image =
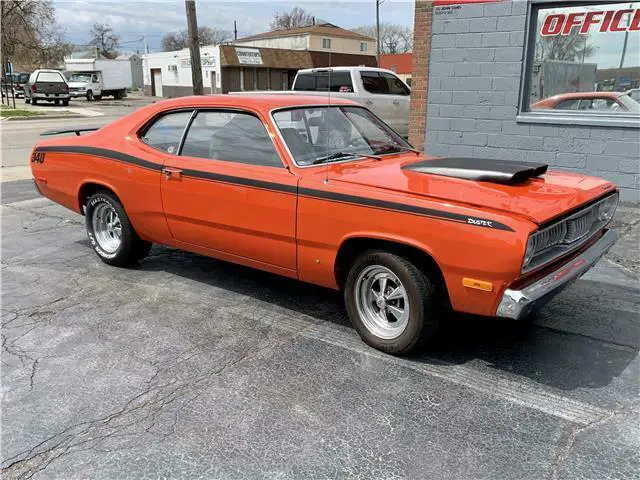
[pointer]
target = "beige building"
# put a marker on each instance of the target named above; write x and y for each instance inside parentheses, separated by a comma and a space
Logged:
(324, 37)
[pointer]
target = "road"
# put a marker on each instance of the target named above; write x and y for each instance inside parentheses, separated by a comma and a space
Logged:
(189, 367)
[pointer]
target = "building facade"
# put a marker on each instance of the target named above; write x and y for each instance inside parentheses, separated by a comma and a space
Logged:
(399, 63)
(486, 72)
(323, 37)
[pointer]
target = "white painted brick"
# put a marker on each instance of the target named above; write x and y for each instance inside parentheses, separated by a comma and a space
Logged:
(504, 113)
(573, 160)
(455, 26)
(478, 98)
(509, 54)
(438, 150)
(519, 7)
(497, 9)
(440, 96)
(464, 124)
(512, 128)
(557, 144)
(489, 126)
(452, 111)
(516, 39)
(583, 145)
(541, 157)
(574, 132)
(495, 39)
(450, 137)
(523, 142)
(476, 139)
(544, 130)
(630, 165)
(470, 11)
(603, 162)
(624, 149)
(460, 151)
(629, 195)
(483, 24)
(511, 98)
(607, 133)
(438, 124)
(477, 111)
(442, 41)
(501, 69)
(468, 69)
(507, 84)
(499, 153)
(468, 84)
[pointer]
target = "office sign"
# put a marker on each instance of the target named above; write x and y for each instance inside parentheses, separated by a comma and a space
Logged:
(249, 56)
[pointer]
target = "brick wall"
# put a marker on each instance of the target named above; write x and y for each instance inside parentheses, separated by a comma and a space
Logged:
(476, 62)
(420, 74)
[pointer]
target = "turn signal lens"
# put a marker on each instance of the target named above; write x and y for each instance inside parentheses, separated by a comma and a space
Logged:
(607, 208)
(531, 248)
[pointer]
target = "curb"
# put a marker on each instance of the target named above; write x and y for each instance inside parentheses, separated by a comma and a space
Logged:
(42, 117)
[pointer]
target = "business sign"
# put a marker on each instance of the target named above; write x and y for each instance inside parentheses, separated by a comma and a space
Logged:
(606, 21)
(205, 61)
(249, 56)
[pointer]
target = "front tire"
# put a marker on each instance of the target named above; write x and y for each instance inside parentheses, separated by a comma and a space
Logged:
(391, 303)
(89, 96)
(111, 234)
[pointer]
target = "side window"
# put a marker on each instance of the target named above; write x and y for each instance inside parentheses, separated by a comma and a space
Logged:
(326, 43)
(166, 132)
(230, 137)
(568, 105)
(395, 85)
(32, 77)
(374, 83)
(597, 104)
(305, 81)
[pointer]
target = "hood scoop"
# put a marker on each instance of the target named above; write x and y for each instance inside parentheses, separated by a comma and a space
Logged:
(506, 172)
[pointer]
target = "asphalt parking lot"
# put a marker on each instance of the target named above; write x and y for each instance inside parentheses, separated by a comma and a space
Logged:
(189, 367)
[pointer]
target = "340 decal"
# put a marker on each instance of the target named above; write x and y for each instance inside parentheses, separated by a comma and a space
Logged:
(37, 157)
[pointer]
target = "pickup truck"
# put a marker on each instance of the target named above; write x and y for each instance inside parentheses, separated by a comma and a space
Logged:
(342, 202)
(378, 89)
(46, 85)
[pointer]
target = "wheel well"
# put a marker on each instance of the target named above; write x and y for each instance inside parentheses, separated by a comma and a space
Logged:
(353, 247)
(88, 189)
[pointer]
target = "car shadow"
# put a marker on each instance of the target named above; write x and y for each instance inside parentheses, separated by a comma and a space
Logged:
(551, 357)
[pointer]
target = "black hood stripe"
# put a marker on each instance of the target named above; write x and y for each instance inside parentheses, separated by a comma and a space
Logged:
(279, 187)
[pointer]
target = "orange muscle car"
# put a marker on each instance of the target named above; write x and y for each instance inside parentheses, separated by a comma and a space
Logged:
(330, 195)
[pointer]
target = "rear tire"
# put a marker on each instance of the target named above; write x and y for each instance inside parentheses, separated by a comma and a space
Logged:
(65, 103)
(111, 234)
(391, 303)
(34, 101)
(57, 102)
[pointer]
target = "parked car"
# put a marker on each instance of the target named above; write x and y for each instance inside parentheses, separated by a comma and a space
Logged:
(14, 84)
(589, 101)
(96, 78)
(46, 85)
(329, 194)
(376, 88)
(634, 93)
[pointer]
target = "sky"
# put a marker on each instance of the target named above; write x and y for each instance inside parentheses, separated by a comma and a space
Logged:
(132, 19)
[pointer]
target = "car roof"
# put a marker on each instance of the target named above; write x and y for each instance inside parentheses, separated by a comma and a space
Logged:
(344, 69)
(263, 102)
(574, 95)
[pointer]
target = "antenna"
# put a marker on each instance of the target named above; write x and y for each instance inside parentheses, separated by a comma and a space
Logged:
(326, 122)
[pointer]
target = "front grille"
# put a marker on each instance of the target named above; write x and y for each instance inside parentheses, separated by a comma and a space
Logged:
(565, 235)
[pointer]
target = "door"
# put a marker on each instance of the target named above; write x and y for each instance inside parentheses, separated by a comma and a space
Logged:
(375, 96)
(399, 94)
(228, 190)
(157, 82)
(213, 82)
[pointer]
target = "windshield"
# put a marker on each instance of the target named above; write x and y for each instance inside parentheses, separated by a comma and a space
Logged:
(323, 134)
(80, 77)
(629, 102)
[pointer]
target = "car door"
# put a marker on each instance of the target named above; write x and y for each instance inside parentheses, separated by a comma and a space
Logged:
(399, 94)
(375, 96)
(227, 190)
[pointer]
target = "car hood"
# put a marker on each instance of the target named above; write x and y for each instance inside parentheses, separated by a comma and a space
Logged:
(77, 84)
(538, 199)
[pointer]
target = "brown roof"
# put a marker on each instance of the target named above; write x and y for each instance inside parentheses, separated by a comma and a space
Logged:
(327, 29)
(398, 62)
(322, 59)
(271, 58)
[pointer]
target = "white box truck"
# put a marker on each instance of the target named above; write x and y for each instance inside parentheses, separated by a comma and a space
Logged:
(97, 78)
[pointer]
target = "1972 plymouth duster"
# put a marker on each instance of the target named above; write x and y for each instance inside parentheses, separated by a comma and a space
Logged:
(330, 195)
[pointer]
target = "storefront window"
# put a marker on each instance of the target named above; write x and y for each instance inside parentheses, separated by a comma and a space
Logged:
(584, 58)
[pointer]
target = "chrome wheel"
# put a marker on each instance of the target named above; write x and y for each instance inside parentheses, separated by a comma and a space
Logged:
(382, 302)
(107, 227)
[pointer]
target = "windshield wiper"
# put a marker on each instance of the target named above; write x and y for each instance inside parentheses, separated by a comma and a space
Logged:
(390, 147)
(341, 155)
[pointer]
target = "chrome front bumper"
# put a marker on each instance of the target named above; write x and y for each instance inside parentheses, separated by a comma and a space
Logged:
(516, 304)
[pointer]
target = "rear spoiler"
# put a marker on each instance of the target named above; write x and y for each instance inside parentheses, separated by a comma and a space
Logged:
(77, 131)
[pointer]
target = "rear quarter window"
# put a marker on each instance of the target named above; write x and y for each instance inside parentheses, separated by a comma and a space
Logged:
(324, 81)
(51, 77)
(165, 133)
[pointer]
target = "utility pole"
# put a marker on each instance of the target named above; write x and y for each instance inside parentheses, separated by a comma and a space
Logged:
(145, 63)
(194, 47)
(378, 31)
(235, 30)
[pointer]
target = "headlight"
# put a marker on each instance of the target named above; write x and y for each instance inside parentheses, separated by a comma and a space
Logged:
(607, 208)
(531, 248)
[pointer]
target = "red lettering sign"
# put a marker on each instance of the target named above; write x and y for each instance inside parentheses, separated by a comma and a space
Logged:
(622, 20)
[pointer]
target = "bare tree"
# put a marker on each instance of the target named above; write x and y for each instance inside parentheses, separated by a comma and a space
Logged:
(207, 36)
(569, 48)
(393, 38)
(30, 35)
(297, 17)
(104, 39)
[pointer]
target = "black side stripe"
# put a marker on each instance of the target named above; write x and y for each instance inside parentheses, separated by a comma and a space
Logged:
(279, 187)
(102, 152)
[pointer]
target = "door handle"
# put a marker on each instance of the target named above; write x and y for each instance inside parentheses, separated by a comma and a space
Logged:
(169, 172)
(369, 102)
(396, 102)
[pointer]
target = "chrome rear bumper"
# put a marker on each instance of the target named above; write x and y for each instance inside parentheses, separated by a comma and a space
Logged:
(516, 304)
